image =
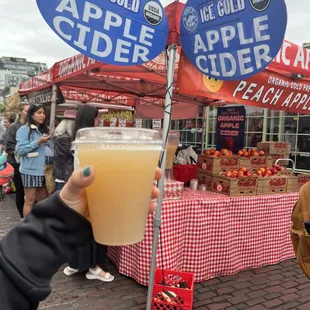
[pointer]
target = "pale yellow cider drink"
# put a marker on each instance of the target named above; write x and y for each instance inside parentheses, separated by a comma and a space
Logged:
(171, 150)
(120, 195)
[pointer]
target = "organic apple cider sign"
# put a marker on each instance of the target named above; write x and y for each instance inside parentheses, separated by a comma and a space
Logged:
(119, 32)
(232, 39)
(230, 128)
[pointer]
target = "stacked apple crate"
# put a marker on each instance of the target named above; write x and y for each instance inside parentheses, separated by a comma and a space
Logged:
(250, 172)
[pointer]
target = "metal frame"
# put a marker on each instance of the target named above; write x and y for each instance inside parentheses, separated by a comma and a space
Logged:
(172, 49)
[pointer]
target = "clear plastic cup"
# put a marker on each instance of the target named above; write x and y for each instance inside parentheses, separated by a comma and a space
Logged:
(125, 161)
(172, 146)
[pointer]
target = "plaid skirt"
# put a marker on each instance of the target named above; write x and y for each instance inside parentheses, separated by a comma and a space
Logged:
(33, 181)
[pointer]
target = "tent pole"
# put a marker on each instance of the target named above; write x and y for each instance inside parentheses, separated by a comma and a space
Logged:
(204, 128)
(53, 106)
(166, 126)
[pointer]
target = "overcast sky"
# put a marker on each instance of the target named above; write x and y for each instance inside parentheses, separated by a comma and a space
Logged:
(24, 33)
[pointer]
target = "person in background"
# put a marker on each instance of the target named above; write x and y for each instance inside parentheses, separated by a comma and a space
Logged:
(3, 158)
(290, 136)
(34, 250)
(93, 256)
(63, 166)
(2, 128)
(10, 144)
(31, 140)
(257, 136)
(7, 122)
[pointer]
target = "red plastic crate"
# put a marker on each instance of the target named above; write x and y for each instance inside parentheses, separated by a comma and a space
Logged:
(184, 173)
(166, 297)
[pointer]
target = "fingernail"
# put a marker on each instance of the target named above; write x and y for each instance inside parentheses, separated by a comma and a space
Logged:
(86, 172)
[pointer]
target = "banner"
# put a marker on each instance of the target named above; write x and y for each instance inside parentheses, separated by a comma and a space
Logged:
(118, 118)
(230, 128)
(39, 81)
(93, 95)
(264, 90)
(117, 32)
(232, 40)
(292, 59)
(44, 96)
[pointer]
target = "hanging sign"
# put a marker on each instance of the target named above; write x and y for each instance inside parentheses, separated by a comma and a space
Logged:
(230, 128)
(113, 122)
(44, 96)
(139, 123)
(119, 32)
(122, 122)
(156, 123)
(232, 39)
(118, 118)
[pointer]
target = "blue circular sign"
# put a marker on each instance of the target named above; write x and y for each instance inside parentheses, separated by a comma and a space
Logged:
(232, 39)
(118, 32)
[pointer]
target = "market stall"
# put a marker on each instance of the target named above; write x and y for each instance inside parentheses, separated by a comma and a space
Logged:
(207, 233)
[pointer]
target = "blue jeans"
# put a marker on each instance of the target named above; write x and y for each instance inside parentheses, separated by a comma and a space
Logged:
(59, 186)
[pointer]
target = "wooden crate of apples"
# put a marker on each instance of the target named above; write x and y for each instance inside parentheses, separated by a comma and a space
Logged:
(295, 181)
(252, 159)
(245, 182)
(237, 182)
(214, 161)
(275, 151)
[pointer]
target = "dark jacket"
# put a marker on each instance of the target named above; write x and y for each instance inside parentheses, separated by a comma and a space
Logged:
(63, 167)
(10, 142)
(33, 251)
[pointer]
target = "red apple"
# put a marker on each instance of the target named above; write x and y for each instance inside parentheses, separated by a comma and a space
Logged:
(243, 169)
(249, 173)
(259, 173)
(228, 174)
(274, 171)
(240, 174)
(261, 153)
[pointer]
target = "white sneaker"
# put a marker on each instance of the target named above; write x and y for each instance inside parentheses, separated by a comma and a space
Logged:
(94, 274)
(68, 271)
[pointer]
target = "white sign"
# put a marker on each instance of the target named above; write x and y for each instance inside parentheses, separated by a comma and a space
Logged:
(113, 122)
(139, 123)
(122, 122)
(156, 123)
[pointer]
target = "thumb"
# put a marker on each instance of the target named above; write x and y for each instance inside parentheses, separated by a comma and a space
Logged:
(79, 180)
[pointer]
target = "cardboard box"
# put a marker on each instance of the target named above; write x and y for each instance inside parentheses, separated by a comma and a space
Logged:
(272, 185)
(204, 178)
(245, 186)
(254, 162)
(216, 165)
(275, 148)
(302, 179)
(274, 158)
(292, 184)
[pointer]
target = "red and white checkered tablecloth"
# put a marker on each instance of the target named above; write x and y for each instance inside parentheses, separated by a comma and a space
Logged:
(213, 235)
